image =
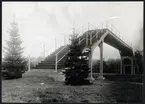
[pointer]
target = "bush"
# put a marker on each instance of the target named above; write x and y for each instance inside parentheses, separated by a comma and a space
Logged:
(15, 70)
(76, 65)
(14, 64)
(11, 75)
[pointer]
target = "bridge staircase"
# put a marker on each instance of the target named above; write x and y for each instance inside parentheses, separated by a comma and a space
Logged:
(57, 59)
(50, 60)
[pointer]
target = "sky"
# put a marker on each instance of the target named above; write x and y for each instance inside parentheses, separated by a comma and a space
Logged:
(41, 23)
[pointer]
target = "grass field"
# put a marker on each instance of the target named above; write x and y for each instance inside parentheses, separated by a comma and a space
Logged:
(41, 86)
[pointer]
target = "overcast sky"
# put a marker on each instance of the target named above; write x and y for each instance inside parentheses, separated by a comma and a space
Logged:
(40, 23)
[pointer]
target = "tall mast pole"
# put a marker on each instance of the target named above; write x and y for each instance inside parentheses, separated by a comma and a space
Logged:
(55, 42)
(44, 50)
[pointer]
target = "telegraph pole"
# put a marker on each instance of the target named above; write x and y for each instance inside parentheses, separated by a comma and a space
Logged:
(64, 40)
(82, 30)
(44, 50)
(55, 42)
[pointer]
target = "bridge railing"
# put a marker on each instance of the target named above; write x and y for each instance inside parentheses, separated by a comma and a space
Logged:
(117, 33)
(113, 29)
(58, 59)
(89, 38)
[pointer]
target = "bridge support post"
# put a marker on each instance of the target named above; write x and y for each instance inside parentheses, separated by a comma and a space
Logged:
(56, 63)
(90, 64)
(90, 39)
(90, 59)
(101, 62)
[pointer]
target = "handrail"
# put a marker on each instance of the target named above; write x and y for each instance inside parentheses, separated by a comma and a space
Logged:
(90, 33)
(97, 27)
(120, 39)
(95, 34)
(113, 30)
(117, 34)
(56, 57)
(62, 57)
(82, 40)
(85, 38)
(116, 30)
(61, 50)
(102, 37)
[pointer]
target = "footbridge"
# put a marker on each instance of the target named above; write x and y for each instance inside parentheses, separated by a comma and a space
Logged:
(96, 37)
(89, 40)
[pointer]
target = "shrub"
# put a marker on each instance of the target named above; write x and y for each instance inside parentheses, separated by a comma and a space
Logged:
(76, 66)
(13, 63)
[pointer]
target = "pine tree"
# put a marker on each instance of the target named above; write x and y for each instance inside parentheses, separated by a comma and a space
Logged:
(13, 61)
(76, 65)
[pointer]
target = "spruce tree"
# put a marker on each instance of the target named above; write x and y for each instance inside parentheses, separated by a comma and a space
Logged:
(76, 65)
(13, 61)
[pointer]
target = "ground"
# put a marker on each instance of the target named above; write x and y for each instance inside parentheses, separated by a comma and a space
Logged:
(41, 86)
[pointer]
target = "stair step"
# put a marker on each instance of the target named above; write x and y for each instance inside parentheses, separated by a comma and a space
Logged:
(49, 61)
(62, 61)
(52, 62)
(50, 66)
(53, 59)
(41, 67)
(47, 68)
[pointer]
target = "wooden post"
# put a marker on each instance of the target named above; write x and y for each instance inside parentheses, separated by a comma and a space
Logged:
(101, 62)
(44, 51)
(91, 39)
(91, 62)
(102, 28)
(64, 40)
(79, 41)
(101, 59)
